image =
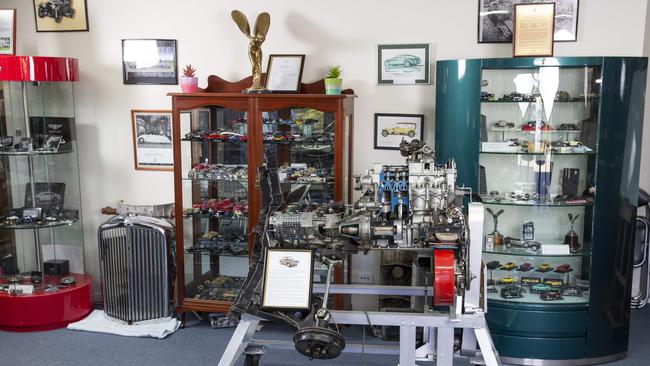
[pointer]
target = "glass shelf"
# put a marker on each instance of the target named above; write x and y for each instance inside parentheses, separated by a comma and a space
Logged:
(215, 141)
(208, 252)
(592, 152)
(243, 182)
(216, 216)
(574, 100)
(44, 225)
(502, 249)
(32, 153)
(508, 202)
(534, 298)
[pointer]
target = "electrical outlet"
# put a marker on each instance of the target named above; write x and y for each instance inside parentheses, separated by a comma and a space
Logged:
(363, 277)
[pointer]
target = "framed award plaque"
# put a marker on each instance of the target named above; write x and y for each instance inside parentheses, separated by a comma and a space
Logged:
(288, 279)
(533, 30)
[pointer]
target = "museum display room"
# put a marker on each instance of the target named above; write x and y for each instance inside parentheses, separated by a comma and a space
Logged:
(288, 182)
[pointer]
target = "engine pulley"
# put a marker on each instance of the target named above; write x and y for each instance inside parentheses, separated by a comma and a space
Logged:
(443, 277)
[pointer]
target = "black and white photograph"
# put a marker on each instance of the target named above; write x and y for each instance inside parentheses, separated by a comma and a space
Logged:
(7, 31)
(61, 15)
(495, 23)
(152, 139)
(149, 61)
(392, 128)
(403, 64)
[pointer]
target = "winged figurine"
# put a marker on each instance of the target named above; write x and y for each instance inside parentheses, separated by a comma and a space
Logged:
(262, 24)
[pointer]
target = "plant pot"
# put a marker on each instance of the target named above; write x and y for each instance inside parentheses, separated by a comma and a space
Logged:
(189, 84)
(333, 86)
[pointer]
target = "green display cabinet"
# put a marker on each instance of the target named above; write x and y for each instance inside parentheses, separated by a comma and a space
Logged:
(552, 147)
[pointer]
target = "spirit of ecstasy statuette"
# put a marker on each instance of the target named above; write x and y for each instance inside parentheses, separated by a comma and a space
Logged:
(571, 237)
(498, 238)
(262, 24)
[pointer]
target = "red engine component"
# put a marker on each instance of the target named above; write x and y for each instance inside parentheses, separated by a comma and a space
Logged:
(443, 277)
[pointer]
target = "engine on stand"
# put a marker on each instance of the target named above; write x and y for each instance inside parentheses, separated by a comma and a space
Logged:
(414, 207)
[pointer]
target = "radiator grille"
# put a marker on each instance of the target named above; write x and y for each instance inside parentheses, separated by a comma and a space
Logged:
(135, 271)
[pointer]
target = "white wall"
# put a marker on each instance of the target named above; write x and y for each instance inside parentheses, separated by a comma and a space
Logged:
(328, 32)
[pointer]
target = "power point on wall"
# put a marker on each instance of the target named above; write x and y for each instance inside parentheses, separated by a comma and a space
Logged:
(363, 277)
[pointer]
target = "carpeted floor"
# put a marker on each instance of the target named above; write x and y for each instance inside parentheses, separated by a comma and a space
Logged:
(200, 345)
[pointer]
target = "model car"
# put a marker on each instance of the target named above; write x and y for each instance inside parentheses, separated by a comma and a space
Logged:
(56, 9)
(571, 290)
(512, 292)
(529, 281)
(545, 267)
(553, 282)
(154, 139)
(539, 288)
(288, 262)
(233, 136)
(525, 267)
(536, 126)
(492, 290)
(503, 124)
(509, 266)
(401, 61)
(507, 280)
(562, 96)
(513, 97)
(564, 268)
(526, 244)
(485, 96)
(196, 135)
(493, 265)
(567, 127)
(551, 295)
(402, 128)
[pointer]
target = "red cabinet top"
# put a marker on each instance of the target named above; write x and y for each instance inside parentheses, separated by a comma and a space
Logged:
(37, 68)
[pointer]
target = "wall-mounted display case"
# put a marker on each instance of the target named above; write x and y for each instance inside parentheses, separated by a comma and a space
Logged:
(550, 144)
(43, 284)
(221, 137)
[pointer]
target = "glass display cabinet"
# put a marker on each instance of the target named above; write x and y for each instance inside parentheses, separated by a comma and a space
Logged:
(551, 147)
(43, 284)
(221, 137)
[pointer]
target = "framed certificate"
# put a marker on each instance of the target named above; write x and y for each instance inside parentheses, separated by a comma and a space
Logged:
(288, 279)
(533, 30)
(284, 73)
(152, 139)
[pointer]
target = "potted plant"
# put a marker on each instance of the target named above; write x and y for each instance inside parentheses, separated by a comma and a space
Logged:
(189, 82)
(333, 81)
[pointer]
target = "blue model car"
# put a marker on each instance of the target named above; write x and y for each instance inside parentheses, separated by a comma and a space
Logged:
(539, 288)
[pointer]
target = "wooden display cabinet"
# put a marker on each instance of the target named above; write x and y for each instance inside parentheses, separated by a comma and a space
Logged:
(310, 136)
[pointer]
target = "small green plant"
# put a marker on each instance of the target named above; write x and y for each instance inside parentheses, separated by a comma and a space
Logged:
(334, 72)
(189, 71)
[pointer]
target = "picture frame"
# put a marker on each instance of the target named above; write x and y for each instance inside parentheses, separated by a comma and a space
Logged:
(284, 73)
(392, 128)
(49, 196)
(534, 27)
(7, 31)
(495, 17)
(70, 16)
(152, 139)
(149, 62)
(288, 279)
(403, 64)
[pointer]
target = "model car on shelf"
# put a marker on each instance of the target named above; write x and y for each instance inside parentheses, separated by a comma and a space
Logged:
(525, 267)
(544, 267)
(493, 265)
(563, 268)
(508, 266)
(539, 288)
(218, 207)
(553, 282)
(534, 126)
(571, 290)
(221, 288)
(526, 244)
(507, 280)
(529, 281)
(221, 135)
(512, 292)
(219, 172)
(514, 97)
(492, 290)
(551, 295)
(485, 96)
(562, 96)
(503, 125)
(568, 127)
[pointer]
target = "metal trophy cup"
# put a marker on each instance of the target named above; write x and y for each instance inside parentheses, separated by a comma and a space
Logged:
(498, 238)
(262, 24)
(571, 237)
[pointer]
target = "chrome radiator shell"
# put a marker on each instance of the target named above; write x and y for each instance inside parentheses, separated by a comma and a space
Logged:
(136, 267)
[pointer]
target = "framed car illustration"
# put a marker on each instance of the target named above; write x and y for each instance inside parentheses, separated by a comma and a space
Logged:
(392, 128)
(152, 139)
(403, 64)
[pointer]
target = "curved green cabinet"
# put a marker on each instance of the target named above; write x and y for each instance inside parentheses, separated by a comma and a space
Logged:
(577, 115)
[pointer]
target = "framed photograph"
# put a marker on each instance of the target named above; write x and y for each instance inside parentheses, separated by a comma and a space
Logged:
(404, 64)
(61, 15)
(149, 61)
(152, 140)
(533, 32)
(495, 20)
(288, 279)
(284, 73)
(7, 31)
(392, 128)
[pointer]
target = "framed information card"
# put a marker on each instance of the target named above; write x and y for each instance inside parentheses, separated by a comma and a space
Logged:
(288, 278)
(533, 30)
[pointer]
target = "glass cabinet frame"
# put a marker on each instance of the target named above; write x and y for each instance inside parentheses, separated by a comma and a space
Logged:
(256, 108)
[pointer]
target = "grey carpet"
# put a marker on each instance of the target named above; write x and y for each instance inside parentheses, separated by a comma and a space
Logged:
(200, 345)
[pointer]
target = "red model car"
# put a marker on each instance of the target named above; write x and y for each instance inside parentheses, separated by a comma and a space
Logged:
(563, 268)
(535, 126)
